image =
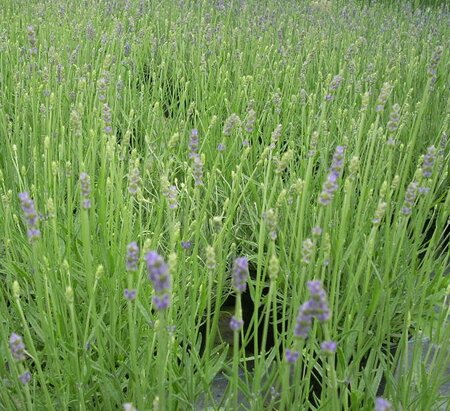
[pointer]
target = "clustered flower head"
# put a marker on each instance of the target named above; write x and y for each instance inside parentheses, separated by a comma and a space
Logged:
(382, 98)
(132, 256)
(170, 192)
(85, 183)
(198, 171)
(394, 118)
(316, 307)
(276, 134)
(250, 120)
(428, 161)
(17, 347)
(240, 274)
(432, 68)
(382, 404)
(129, 295)
(330, 185)
(134, 181)
(271, 218)
(231, 123)
(236, 323)
(328, 347)
(31, 215)
(107, 119)
(334, 85)
(410, 198)
(193, 143)
(158, 274)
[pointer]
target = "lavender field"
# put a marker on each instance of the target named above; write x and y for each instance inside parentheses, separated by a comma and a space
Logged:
(224, 205)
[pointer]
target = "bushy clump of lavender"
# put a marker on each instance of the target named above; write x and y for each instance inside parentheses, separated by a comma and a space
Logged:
(158, 274)
(31, 216)
(330, 185)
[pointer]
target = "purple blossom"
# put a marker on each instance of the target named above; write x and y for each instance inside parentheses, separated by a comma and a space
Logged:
(303, 323)
(328, 189)
(132, 259)
(198, 171)
(25, 378)
(129, 295)
(240, 274)
(410, 198)
(17, 347)
(107, 119)
(186, 245)
(220, 147)
(85, 184)
(334, 85)
(428, 161)
(128, 406)
(193, 143)
(291, 356)
(31, 215)
(161, 302)
(328, 347)
(316, 307)
(338, 160)
(158, 274)
(236, 324)
(382, 405)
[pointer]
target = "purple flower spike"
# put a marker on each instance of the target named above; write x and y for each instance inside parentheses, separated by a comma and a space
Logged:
(303, 323)
(236, 324)
(328, 347)
(428, 162)
(129, 295)
(25, 378)
(158, 274)
(17, 347)
(85, 183)
(161, 302)
(132, 256)
(240, 274)
(31, 215)
(186, 245)
(193, 143)
(291, 356)
(383, 405)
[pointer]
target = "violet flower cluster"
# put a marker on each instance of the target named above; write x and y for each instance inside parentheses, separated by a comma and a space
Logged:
(410, 198)
(316, 307)
(334, 85)
(158, 274)
(196, 159)
(132, 259)
(240, 274)
(428, 161)
(330, 185)
(17, 348)
(31, 216)
(85, 183)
